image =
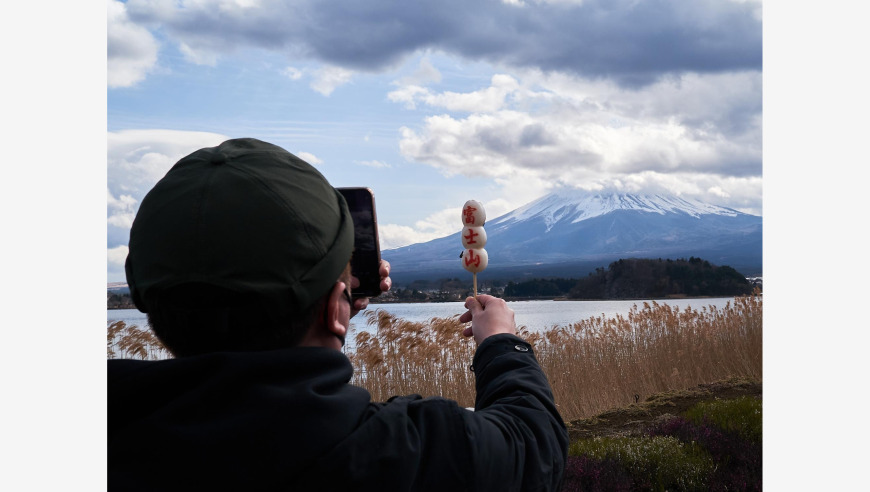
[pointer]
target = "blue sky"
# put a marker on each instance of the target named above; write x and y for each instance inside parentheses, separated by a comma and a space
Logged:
(57, 109)
(434, 103)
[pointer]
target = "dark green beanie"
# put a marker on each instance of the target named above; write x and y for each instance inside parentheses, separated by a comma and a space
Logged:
(246, 216)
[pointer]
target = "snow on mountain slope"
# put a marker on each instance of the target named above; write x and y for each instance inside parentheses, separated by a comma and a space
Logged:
(578, 205)
(574, 227)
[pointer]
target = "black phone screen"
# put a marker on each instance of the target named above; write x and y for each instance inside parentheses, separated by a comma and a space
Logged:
(366, 258)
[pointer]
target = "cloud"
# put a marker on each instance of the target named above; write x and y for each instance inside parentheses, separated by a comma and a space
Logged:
(121, 210)
(136, 160)
(292, 73)
(425, 73)
(117, 256)
(115, 259)
(375, 164)
(489, 99)
(694, 134)
(323, 80)
(434, 226)
(198, 57)
(437, 225)
(327, 79)
(132, 50)
(309, 158)
(634, 43)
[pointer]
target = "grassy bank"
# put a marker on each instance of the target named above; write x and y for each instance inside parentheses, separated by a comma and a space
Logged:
(703, 439)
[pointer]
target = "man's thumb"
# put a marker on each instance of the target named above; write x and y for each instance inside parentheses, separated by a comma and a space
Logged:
(472, 305)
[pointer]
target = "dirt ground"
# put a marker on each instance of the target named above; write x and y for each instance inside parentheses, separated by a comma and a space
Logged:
(637, 416)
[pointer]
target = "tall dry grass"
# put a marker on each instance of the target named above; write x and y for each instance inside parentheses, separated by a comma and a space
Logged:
(403, 357)
(592, 365)
(131, 342)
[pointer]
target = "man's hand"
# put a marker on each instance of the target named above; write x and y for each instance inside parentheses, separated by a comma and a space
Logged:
(363, 302)
(489, 316)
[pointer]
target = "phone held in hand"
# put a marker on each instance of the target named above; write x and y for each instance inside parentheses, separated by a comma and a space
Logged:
(366, 259)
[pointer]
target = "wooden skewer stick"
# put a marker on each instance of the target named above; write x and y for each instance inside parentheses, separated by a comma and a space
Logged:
(475, 285)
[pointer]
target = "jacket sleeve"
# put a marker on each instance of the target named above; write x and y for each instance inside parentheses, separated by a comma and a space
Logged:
(518, 439)
(515, 439)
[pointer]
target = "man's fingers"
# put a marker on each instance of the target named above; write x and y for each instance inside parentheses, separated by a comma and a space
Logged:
(361, 303)
(466, 317)
(472, 305)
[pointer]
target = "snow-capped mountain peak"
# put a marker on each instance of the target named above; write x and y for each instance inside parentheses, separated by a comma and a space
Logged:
(579, 205)
(569, 232)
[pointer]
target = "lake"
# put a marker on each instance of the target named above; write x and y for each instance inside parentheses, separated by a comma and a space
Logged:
(536, 315)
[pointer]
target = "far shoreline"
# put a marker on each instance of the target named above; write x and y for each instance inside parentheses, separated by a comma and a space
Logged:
(374, 301)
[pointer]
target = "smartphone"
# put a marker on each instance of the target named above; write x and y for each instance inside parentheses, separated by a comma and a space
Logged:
(366, 260)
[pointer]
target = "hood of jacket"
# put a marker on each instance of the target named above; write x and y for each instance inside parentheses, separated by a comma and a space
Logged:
(210, 417)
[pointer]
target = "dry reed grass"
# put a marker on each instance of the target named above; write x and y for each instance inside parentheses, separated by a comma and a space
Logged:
(404, 357)
(132, 342)
(593, 365)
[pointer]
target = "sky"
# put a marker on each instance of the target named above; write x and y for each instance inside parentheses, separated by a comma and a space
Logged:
(69, 113)
(431, 104)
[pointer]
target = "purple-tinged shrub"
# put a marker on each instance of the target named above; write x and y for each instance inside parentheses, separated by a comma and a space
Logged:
(583, 473)
(738, 460)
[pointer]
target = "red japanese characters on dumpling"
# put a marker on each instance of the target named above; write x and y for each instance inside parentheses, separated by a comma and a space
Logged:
(473, 214)
(474, 260)
(473, 237)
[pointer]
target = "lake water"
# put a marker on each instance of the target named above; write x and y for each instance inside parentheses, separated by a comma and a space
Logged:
(536, 315)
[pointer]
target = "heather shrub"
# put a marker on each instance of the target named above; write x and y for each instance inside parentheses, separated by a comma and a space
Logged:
(736, 450)
(586, 474)
(739, 415)
(654, 463)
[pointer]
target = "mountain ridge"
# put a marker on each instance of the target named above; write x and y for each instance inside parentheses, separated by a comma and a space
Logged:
(583, 230)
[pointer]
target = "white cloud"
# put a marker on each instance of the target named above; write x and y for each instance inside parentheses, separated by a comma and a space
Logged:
(132, 50)
(198, 56)
(309, 158)
(408, 95)
(439, 224)
(696, 135)
(118, 255)
(136, 160)
(323, 80)
(424, 73)
(121, 210)
(292, 73)
(115, 259)
(486, 100)
(327, 79)
(375, 164)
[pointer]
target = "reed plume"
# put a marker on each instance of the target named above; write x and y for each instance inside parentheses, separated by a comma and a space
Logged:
(592, 365)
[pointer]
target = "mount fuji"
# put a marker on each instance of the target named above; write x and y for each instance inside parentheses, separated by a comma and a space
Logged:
(569, 233)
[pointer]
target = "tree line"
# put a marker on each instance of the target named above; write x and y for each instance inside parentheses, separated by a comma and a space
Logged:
(641, 279)
(119, 301)
(622, 279)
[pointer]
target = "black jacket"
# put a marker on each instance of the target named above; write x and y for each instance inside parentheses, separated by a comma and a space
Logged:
(289, 420)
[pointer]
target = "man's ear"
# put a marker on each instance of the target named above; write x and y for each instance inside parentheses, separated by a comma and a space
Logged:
(334, 308)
